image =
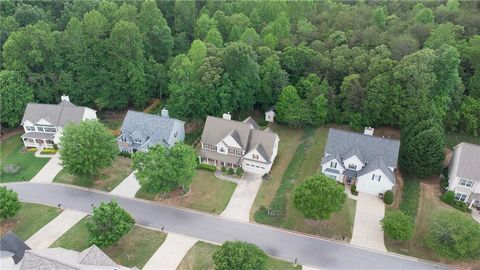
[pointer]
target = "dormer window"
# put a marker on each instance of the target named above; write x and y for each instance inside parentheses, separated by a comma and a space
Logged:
(333, 164)
(137, 141)
(222, 149)
(352, 166)
(40, 129)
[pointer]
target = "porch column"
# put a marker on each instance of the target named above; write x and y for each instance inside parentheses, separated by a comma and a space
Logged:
(471, 204)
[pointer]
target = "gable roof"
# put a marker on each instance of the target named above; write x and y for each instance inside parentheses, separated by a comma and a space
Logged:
(10, 242)
(56, 114)
(251, 121)
(218, 128)
(468, 161)
(59, 258)
(150, 128)
(342, 142)
(378, 163)
(263, 141)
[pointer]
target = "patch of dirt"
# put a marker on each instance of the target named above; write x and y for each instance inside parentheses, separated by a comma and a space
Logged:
(398, 189)
(448, 156)
(10, 133)
(6, 226)
(387, 132)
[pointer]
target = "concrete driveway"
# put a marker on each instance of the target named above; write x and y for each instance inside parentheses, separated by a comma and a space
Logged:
(171, 252)
(49, 171)
(242, 198)
(367, 231)
(127, 187)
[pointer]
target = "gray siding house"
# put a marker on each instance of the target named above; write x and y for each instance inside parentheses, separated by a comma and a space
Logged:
(140, 131)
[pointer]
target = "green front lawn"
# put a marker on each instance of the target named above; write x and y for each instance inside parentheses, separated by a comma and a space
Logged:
(12, 152)
(134, 249)
(107, 180)
(199, 257)
(207, 193)
(28, 220)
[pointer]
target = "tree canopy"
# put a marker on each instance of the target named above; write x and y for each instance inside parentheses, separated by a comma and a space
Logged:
(9, 203)
(239, 255)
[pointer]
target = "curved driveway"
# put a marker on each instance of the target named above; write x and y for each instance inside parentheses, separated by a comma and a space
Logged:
(311, 251)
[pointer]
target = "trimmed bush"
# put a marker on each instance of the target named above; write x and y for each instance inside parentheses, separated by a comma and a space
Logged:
(410, 197)
(448, 197)
(397, 226)
(461, 206)
(239, 255)
(353, 190)
(32, 149)
(239, 171)
(206, 167)
(230, 171)
(48, 151)
(388, 197)
(224, 170)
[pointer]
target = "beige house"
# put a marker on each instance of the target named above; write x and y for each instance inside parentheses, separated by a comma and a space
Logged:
(464, 173)
(233, 144)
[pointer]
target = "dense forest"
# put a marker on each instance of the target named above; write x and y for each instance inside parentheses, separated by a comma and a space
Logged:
(357, 63)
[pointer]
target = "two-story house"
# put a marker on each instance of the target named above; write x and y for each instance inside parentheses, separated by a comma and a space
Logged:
(464, 173)
(140, 131)
(231, 143)
(367, 161)
(44, 123)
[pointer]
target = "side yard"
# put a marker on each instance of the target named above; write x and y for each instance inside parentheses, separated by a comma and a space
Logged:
(28, 220)
(107, 180)
(428, 205)
(207, 193)
(304, 162)
(134, 249)
(13, 153)
(199, 257)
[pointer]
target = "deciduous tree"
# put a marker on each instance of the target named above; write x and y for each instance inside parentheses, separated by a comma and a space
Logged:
(239, 255)
(397, 226)
(15, 93)
(9, 204)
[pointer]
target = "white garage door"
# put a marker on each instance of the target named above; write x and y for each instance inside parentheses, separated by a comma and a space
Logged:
(254, 168)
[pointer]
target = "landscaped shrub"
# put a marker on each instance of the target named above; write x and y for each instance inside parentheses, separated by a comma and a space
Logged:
(410, 197)
(448, 197)
(461, 206)
(397, 226)
(230, 171)
(444, 182)
(224, 170)
(48, 151)
(125, 154)
(353, 190)
(239, 255)
(239, 171)
(9, 204)
(11, 168)
(32, 149)
(388, 197)
(265, 176)
(263, 123)
(206, 167)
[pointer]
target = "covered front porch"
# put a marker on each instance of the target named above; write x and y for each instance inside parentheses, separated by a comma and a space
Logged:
(38, 139)
(349, 177)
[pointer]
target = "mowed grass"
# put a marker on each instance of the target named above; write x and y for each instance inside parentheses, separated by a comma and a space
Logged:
(207, 193)
(429, 205)
(107, 180)
(134, 249)
(12, 152)
(290, 138)
(28, 220)
(454, 138)
(199, 257)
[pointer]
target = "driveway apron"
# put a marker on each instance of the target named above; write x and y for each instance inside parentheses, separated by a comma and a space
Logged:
(49, 171)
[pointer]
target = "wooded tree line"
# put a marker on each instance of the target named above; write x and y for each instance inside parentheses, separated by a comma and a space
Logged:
(365, 63)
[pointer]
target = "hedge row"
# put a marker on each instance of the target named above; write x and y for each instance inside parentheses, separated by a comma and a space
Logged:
(206, 167)
(410, 197)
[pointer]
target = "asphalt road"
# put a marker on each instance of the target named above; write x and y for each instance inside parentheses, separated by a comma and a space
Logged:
(311, 251)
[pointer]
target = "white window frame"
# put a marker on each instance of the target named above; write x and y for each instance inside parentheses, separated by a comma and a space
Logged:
(40, 129)
(352, 166)
(30, 128)
(52, 129)
(466, 183)
(459, 196)
(333, 164)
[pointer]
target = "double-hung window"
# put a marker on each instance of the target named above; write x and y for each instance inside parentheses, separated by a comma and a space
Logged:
(30, 128)
(466, 183)
(40, 129)
(460, 197)
(376, 177)
(352, 166)
(333, 164)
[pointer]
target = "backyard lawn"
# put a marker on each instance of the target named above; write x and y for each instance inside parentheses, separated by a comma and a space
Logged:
(107, 180)
(454, 138)
(134, 249)
(12, 152)
(112, 124)
(199, 257)
(28, 220)
(207, 193)
(429, 205)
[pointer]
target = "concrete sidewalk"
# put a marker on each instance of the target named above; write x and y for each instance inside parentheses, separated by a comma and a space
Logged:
(49, 171)
(171, 252)
(127, 187)
(367, 231)
(47, 235)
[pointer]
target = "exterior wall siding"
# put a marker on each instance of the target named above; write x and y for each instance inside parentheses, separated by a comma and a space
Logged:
(365, 183)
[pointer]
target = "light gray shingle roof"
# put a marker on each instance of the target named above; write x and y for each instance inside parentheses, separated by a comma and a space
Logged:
(217, 128)
(38, 135)
(57, 114)
(151, 129)
(468, 161)
(251, 121)
(263, 141)
(378, 163)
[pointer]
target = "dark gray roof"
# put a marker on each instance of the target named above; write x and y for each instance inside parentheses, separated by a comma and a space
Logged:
(251, 121)
(10, 242)
(468, 161)
(351, 173)
(38, 135)
(342, 142)
(59, 258)
(378, 163)
(331, 157)
(354, 152)
(57, 114)
(151, 129)
(330, 170)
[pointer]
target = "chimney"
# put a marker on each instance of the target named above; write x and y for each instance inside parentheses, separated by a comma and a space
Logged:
(165, 112)
(368, 131)
(65, 98)
(227, 116)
